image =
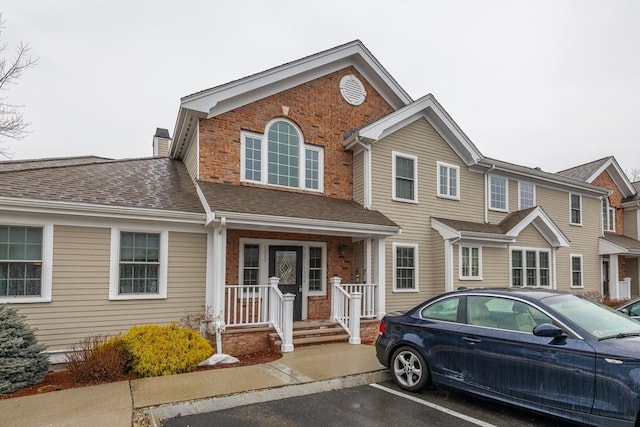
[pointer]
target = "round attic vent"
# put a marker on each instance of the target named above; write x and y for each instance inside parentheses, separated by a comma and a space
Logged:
(352, 90)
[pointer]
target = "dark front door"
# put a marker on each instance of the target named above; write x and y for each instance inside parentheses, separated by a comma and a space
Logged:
(605, 278)
(285, 262)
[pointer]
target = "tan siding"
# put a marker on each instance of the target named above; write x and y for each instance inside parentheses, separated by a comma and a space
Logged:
(191, 161)
(80, 304)
(358, 177)
(631, 223)
(495, 269)
(531, 238)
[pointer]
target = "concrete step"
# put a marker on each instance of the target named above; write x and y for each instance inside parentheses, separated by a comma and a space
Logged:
(323, 339)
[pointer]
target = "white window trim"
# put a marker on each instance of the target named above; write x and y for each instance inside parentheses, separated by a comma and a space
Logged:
(438, 181)
(524, 251)
(46, 278)
(263, 266)
(114, 276)
(506, 194)
(610, 219)
(264, 157)
(571, 208)
(395, 154)
(479, 276)
(520, 194)
(416, 268)
(571, 257)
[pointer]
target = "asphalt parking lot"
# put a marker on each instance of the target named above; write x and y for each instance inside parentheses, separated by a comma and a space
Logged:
(380, 404)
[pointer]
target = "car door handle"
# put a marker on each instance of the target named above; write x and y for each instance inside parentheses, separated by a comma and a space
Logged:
(472, 339)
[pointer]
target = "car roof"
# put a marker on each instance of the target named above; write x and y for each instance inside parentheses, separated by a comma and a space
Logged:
(531, 294)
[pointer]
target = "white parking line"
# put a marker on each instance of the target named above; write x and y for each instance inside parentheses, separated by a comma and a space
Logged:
(434, 406)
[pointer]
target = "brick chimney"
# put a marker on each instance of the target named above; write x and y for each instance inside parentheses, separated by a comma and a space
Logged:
(161, 142)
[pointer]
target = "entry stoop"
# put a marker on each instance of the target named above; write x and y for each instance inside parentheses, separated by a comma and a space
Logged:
(310, 333)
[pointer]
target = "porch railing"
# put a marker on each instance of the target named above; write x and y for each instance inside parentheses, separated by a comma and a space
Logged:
(350, 303)
(261, 305)
(623, 289)
(368, 291)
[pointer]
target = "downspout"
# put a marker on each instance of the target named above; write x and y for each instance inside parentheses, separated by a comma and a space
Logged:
(366, 173)
(486, 194)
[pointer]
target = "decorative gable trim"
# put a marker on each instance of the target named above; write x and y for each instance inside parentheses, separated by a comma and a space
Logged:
(544, 224)
(617, 175)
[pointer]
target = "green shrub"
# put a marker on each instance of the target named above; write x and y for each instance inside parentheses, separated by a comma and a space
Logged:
(165, 350)
(97, 360)
(22, 360)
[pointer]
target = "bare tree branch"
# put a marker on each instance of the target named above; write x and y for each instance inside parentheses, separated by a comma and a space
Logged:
(12, 123)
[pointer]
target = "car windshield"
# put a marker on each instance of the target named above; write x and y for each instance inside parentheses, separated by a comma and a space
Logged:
(598, 320)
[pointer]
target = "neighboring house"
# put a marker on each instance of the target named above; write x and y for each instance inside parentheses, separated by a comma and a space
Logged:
(316, 190)
(620, 215)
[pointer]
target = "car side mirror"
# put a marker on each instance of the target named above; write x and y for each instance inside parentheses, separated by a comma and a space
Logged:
(548, 330)
(625, 311)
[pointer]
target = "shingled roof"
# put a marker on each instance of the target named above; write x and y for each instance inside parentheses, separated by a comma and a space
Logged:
(629, 243)
(149, 183)
(503, 227)
(278, 203)
(585, 171)
(14, 165)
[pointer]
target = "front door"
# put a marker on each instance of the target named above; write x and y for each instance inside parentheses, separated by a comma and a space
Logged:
(285, 262)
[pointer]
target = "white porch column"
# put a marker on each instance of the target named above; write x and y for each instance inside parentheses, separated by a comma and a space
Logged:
(217, 275)
(380, 276)
(367, 260)
(614, 282)
(355, 306)
(448, 266)
(287, 323)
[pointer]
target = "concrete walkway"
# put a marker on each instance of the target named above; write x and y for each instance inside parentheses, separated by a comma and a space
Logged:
(306, 370)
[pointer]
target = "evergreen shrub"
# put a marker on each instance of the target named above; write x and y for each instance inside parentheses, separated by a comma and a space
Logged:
(165, 350)
(22, 360)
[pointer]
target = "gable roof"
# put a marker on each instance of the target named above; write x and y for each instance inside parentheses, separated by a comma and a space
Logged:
(426, 107)
(219, 99)
(506, 231)
(272, 209)
(135, 187)
(588, 172)
(613, 243)
(12, 165)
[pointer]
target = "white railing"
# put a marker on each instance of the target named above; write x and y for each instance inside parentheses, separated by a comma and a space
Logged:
(623, 290)
(261, 305)
(346, 307)
(368, 290)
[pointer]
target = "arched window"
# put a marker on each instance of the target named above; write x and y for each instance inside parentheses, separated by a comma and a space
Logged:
(280, 157)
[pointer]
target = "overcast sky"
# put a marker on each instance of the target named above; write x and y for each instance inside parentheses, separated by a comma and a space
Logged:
(551, 84)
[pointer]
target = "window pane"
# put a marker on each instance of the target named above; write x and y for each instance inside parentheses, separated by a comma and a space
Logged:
(453, 182)
(575, 209)
(312, 169)
(526, 195)
(444, 179)
(283, 146)
(405, 268)
(139, 262)
(498, 193)
(253, 159)
(251, 265)
(404, 178)
(315, 269)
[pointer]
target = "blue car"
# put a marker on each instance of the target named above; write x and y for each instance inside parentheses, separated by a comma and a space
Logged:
(550, 352)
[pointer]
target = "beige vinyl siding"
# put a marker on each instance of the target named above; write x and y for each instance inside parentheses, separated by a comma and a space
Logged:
(80, 305)
(419, 139)
(632, 223)
(495, 268)
(632, 271)
(531, 238)
(358, 177)
(191, 160)
(584, 239)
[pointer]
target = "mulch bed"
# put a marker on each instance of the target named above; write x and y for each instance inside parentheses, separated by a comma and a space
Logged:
(62, 380)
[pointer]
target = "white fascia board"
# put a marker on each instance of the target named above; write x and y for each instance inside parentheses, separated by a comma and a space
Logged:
(618, 176)
(551, 180)
(486, 237)
(544, 224)
(91, 210)
(260, 85)
(445, 231)
(428, 108)
(236, 220)
(606, 247)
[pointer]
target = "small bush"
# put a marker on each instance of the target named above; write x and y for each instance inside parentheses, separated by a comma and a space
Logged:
(22, 360)
(165, 350)
(97, 360)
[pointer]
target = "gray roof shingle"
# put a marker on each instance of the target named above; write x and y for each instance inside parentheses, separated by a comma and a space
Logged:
(272, 202)
(149, 183)
(14, 165)
(624, 241)
(585, 171)
(503, 227)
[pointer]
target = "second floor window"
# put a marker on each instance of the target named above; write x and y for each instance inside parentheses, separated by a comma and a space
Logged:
(498, 193)
(281, 158)
(448, 181)
(526, 195)
(576, 209)
(405, 173)
(608, 216)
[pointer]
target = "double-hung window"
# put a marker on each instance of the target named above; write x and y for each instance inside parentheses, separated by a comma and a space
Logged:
(498, 190)
(608, 216)
(316, 269)
(405, 177)
(251, 265)
(576, 271)
(448, 181)
(21, 264)
(530, 268)
(470, 263)
(405, 267)
(139, 265)
(280, 157)
(575, 201)
(526, 195)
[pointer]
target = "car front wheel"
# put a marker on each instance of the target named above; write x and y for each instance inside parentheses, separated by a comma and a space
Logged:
(409, 369)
